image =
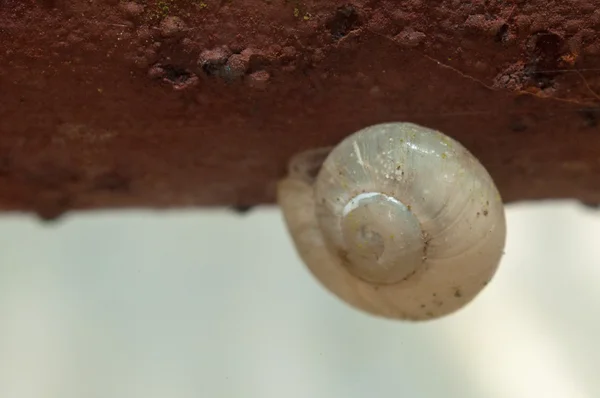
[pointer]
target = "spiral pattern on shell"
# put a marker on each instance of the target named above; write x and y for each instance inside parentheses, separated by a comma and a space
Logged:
(401, 220)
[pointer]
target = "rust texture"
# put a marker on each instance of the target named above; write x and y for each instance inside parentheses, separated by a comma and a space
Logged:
(173, 103)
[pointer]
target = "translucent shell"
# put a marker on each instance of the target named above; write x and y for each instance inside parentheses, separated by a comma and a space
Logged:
(401, 221)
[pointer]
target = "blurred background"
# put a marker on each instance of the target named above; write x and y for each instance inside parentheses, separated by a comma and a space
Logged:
(216, 304)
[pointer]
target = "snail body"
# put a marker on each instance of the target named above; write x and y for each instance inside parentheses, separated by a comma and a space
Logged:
(397, 220)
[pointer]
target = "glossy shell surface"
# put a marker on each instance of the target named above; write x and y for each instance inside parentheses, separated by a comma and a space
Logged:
(398, 220)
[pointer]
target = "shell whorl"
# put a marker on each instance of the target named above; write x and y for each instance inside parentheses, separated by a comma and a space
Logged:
(402, 217)
(382, 240)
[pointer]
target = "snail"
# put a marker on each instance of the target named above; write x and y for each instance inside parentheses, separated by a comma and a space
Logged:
(397, 220)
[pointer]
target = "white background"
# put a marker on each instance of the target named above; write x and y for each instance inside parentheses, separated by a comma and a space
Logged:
(213, 304)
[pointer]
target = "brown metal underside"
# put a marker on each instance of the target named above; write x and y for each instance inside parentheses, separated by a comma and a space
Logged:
(122, 104)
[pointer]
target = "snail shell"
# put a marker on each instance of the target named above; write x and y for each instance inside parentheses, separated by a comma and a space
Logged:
(398, 220)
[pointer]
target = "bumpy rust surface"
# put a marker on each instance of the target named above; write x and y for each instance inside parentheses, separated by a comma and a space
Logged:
(164, 103)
